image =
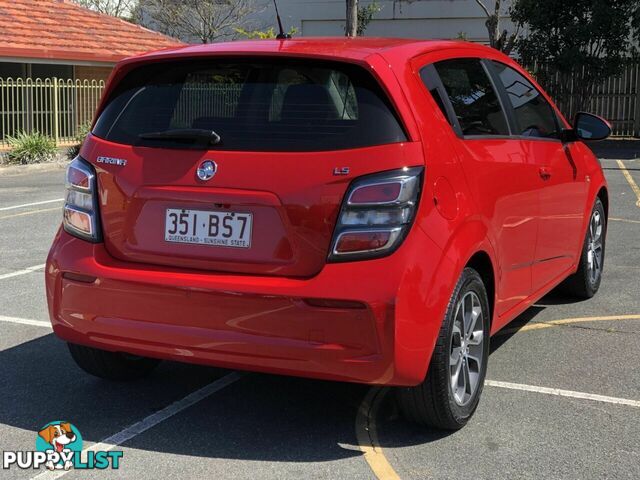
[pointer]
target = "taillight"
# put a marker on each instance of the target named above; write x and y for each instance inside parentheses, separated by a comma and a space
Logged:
(376, 214)
(80, 215)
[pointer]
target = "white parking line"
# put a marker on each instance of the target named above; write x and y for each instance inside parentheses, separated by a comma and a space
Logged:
(14, 207)
(34, 212)
(563, 393)
(22, 272)
(151, 421)
(25, 321)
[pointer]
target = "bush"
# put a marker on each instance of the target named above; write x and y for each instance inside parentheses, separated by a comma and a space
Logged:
(83, 131)
(32, 147)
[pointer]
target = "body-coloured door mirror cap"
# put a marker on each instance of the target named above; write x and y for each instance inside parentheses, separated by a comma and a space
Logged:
(587, 127)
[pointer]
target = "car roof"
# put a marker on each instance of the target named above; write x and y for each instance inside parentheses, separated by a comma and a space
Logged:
(355, 49)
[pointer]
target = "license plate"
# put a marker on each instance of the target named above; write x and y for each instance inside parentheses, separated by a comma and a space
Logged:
(221, 229)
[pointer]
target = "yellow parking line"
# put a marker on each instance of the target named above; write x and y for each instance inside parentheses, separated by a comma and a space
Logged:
(565, 321)
(366, 430)
(367, 435)
(32, 212)
(632, 182)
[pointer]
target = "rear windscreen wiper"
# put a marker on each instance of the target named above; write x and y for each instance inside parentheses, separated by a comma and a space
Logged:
(208, 137)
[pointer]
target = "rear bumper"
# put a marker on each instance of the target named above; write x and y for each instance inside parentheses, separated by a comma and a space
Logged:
(269, 324)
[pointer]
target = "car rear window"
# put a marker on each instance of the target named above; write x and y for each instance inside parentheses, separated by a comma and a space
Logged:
(252, 105)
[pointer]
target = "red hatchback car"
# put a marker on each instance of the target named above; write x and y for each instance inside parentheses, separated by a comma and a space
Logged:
(364, 210)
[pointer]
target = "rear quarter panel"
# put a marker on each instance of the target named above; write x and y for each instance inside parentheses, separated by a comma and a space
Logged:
(448, 218)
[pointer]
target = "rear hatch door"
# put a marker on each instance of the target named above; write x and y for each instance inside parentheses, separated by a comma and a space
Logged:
(238, 165)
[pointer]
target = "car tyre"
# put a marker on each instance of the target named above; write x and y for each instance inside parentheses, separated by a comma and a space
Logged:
(111, 365)
(441, 400)
(586, 281)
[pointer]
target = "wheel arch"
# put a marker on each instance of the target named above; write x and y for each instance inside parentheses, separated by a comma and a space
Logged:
(603, 195)
(473, 247)
(415, 337)
(481, 263)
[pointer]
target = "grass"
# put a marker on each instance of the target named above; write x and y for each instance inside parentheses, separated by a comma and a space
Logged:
(83, 130)
(27, 148)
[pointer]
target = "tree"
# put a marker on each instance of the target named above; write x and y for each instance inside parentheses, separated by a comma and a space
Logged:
(365, 15)
(585, 41)
(498, 39)
(359, 18)
(204, 21)
(115, 8)
(351, 30)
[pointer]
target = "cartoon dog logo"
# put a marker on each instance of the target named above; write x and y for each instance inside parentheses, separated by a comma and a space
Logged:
(59, 436)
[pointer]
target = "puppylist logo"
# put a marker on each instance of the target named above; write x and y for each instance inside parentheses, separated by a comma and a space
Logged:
(59, 447)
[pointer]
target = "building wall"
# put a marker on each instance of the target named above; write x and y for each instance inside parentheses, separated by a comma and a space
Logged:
(51, 70)
(92, 73)
(34, 70)
(398, 18)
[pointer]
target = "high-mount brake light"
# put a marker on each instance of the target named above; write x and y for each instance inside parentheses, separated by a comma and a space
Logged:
(376, 215)
(80, 214)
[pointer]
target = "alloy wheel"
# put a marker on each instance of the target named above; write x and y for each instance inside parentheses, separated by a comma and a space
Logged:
(466, 350)
(594, 247)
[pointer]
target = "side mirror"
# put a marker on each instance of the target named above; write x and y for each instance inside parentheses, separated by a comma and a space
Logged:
(589, 127)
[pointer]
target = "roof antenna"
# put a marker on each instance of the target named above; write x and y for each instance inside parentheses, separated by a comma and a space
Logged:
(282, 35)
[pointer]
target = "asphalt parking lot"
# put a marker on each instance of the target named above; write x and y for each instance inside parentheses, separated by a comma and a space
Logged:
(562, 401)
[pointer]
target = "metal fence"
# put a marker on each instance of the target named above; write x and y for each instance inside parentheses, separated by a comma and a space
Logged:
(60, 107)
(617, 98)
(54, 107)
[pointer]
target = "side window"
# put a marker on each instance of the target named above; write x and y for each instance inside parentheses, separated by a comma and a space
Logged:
(431, 81)
(427, 79)
(473, 97)
(533, 115)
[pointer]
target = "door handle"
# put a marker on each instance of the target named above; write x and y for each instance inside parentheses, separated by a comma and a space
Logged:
(545, 174)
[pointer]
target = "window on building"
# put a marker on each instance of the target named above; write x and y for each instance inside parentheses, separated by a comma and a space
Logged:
(43, 71)
(12, 70)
